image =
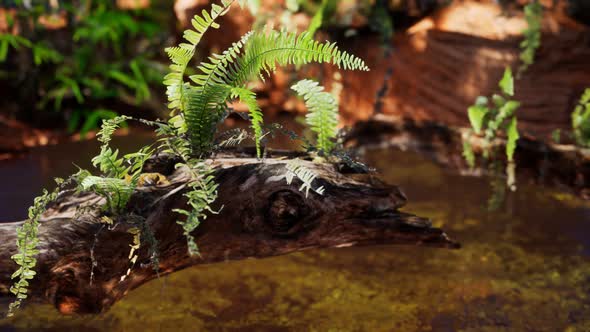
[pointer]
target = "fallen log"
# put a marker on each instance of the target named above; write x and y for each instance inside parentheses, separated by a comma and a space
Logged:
(560, 165)
(82, 259)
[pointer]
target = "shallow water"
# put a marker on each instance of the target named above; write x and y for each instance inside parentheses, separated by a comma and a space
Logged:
(525, 267)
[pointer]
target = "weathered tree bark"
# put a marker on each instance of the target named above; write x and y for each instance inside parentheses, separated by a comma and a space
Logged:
(564, 166)
(442, 63)
(261, 216)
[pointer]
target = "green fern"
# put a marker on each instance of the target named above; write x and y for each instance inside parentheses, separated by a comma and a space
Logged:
(120, 175)
(14, 41)
(265, 50)
(323, 112)
(196, 109)
(249, 98)
(116, 191)
(324, 13)
(533, 13)
(27, 242)
(581, 120)
(305, 175)
(261, 53)
(200, 198)
(490, 119)
(183, 53)
(468, 153)
(107, 160)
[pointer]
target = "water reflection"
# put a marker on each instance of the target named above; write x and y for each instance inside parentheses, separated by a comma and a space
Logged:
(523, 267)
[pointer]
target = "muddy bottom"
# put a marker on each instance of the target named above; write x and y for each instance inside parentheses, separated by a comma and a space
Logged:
(524, 267)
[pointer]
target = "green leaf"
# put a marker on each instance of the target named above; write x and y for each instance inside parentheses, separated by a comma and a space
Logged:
(322, 117)
(248, 97)
(507, 82)
(94, 118)
(481, 101)
(512, 132)
(477, 115)
(508, 109)
(468, 154)
(498, 100)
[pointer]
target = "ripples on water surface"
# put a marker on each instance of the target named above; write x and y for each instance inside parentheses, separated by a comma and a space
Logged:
(525, 267)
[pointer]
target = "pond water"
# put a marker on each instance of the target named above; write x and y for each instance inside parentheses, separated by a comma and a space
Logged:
(524, 267)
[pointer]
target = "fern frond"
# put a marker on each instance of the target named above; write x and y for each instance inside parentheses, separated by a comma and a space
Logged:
(533, 13)
(207, 100)
(249, 98)
(265, 50)
(202, 194)
(323, 112)
(183, 53)
(109, 163)
(202, 112)
(107, 160)
(581, 120)
(232, 138)
(116, 191)
(27, 240)
(219, 70)
(108, 128)
(255, 53)
(304, 174)
(468, 153)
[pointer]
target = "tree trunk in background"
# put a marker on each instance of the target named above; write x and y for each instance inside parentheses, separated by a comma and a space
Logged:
(439, 65)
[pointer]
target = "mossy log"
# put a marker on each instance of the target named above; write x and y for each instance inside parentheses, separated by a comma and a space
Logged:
(560, 165)
(82, 260)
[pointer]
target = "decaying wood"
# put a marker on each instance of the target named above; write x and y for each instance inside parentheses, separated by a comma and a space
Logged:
(564, 166)
(442, 63)
(261, 216)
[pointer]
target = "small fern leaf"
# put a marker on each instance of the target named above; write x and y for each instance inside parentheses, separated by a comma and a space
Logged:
(265, 50)
(183, 53)
(249, 98)
(507, 82)
(202, 194)
(468, 153)
(323, 112)
(232, 138)
(116, 191)
(512, 133)
(107, 160)
(533, 13)
(202, 112)
(305, 175)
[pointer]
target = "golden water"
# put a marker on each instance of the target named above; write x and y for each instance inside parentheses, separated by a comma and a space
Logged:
(525, 267)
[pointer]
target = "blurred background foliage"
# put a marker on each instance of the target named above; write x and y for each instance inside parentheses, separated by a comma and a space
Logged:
(79, 62)
(68, 64)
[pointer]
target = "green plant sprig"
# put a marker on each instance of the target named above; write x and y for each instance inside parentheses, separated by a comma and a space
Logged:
(581, 120)
(491, 118)
(322, 117)
(533, 13)
(27, 243)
